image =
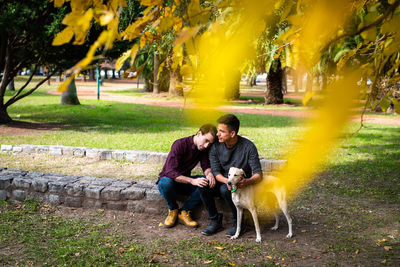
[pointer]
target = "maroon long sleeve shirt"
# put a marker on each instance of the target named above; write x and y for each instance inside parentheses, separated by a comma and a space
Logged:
(182, 159)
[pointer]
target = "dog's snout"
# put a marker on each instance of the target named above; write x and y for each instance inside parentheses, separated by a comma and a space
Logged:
(229, 183)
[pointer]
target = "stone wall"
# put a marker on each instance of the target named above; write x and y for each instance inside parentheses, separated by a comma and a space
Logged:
(85, 191)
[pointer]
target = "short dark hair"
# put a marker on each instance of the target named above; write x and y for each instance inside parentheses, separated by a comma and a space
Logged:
(231, 121)
(209, 128)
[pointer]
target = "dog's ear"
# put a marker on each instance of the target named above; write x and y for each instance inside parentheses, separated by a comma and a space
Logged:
(242, 173)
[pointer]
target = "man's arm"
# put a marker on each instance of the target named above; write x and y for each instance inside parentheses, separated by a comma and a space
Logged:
(199, 182)
(255, 165)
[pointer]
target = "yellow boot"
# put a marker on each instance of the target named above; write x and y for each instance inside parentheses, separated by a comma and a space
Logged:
(171, 219)
(184, 217)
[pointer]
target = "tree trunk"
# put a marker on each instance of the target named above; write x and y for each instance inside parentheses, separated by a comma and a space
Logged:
(309, 84)
(4, 117)
(175, 89)
(273, 94)
(105, 74)
(113, 75)
(232, 89)
(148, 85)
(92, 76)
(70, 97)
(156, 65)
(11, 85)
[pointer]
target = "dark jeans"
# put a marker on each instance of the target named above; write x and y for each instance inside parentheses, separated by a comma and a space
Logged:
(207, 195)
(169, 189)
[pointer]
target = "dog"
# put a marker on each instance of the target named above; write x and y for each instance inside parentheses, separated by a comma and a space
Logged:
(243, 198)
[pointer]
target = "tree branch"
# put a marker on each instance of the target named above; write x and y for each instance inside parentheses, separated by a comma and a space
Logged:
(389, 11)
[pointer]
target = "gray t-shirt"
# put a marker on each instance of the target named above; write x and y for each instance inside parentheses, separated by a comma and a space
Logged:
(242, 155)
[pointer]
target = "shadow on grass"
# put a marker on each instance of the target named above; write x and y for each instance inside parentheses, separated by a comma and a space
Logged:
(371, 167)
(109, 117)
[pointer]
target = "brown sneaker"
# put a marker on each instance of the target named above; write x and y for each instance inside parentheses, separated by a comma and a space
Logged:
(171, 219)
(184, 217)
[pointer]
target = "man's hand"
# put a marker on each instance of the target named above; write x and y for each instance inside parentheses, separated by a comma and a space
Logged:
(241, 184)
(200, 182)
(211, 180)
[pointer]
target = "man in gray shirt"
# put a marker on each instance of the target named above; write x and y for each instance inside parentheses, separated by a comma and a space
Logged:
(232, 150)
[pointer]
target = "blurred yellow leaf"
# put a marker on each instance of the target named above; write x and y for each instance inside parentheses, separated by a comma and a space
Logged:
(294, 241)
(356, 252)
(384, 104)
(186, 70)
(269, 257)
(219, 248)
(122, 59)
(151, 2)
(383, 262)
(131, 249)
(64, 86)
(370, 34)
(396, 104)
(387, 248)
(185, 34)
(208, 262)
(106, 18)
(58, 3)
(231, 264)
(307, 98)
(160, 225)
(63, 37)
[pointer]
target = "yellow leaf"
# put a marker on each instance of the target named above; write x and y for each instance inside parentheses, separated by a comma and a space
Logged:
(208, 262)
(219, 248)
(186, 70)
(64, 86)
(294, 241)
(370, 34)
(383, 262)
(396, 104)
(63, 37)
(160, 68)
(356, 252)
(384, 104)
(122, 59)
(387, 248)
(131, 249)
(58, 3)
(151, 2)
(382, 240)
(106, 18)
(160, 225)
(269, 257)
(231, 264)
(307, 98)
(185, 34)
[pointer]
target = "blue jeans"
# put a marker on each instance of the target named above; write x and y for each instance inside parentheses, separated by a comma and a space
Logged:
(169, 189)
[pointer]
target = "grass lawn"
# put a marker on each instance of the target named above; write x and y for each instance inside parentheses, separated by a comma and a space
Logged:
(348, 216)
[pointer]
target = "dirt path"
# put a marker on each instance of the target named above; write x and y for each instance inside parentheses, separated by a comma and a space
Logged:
(88, 91)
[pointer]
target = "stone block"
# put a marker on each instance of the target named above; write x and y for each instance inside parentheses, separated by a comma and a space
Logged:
(92, 203)
(93, 153)
(278, 164)
(3, 195)
(266, 165)
(2, 169)
(55, 151)
(68, 151)
(29, 149)
(118, 155)
(14, 172)
(135, 206)
(122, 184)
(54, 200)
(57, 187)
(111, 193)
(75, 202)
(93, 191)
(151, 209)
(106, 155)
(116, 205)
(38, 196)
(148, 184)
(21, 182)
(153, 195)
(132, 155)
(133, 193)
(5, 182)
(40, 185)
(96, 181)
(17, 149)
(42, 149)
(6, 148)
(75, 190)
(79, 152)
(35, 174)
(19, 195)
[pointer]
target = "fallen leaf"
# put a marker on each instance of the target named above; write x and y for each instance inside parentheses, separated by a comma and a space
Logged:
(219, 248)
(356, 252)
(303, 257)
(383, 262)
(294, 241)
(160, 224)
(382, 240)
(269, 257)
(231, 264)
(303, 231)
(131, 249)
(387, 248)
(160, 252)
(208, 262)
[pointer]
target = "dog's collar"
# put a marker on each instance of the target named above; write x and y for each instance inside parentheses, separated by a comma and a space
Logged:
(234, 189)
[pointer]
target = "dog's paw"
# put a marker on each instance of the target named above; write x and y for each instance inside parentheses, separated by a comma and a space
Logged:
(274, 228)
(234, 237)
(289, 235)
(258, 240)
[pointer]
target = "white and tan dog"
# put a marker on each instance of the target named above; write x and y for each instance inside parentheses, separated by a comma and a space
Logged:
(243, 198)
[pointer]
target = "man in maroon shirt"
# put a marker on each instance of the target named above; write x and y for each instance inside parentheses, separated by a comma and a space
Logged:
(175, 177)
